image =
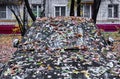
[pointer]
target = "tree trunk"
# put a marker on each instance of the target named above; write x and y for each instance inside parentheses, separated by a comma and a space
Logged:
(18, 20)
(78, 7)
(95, 9)
(43, 11)
(29, 10)
(72, 8)
(25, 20)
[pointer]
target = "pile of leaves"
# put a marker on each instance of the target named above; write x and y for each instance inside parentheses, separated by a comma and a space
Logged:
(63, 47)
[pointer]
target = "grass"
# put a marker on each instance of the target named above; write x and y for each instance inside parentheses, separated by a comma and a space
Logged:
(114, 35)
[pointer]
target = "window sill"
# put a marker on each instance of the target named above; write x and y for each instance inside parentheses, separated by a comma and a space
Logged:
(3, 18)
(113, 19)
(7, 20)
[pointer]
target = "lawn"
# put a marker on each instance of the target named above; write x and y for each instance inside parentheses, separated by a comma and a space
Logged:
(116, 37)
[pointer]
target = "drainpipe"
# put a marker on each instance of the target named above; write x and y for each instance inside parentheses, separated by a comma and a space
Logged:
(37, 11)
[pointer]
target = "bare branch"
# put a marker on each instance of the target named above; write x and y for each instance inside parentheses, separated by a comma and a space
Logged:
(29, 10)
(18, 20)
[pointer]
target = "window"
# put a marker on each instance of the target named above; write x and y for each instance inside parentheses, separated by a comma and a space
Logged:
(112, 11)
(86, 10)
(60, 10)
(36, 10)
(2, 12)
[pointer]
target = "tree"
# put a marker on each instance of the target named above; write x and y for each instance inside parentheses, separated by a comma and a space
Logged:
(74, 5)
(78, 7)
(43, 7)
(29, 10)
(72, 8)
(95, 9)
(18, 18)
(13, 6)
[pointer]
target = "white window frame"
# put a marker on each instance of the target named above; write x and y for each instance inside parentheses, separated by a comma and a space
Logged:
(38, 7)
(60, 9)
(89, 12)
(112, 8)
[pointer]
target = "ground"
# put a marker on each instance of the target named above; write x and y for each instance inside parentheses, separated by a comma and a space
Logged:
(7, 49)
(116, 37)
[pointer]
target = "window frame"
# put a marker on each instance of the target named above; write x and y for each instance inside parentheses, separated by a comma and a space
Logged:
(60, 9)
(38, 10)
(83, 10)
(5, 13)
(112, 7)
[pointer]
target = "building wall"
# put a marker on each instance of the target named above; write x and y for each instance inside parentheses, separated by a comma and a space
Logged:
(35, 1)
(102, 17)
(9, 18)
(50, 8)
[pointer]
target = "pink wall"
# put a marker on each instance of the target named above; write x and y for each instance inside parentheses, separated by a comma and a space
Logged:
(6, 29)
(108, 27)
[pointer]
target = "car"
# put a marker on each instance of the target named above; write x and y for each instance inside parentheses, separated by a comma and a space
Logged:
(61, 48)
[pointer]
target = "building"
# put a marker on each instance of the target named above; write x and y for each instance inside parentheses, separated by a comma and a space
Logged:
(108, 16)
(7, 19)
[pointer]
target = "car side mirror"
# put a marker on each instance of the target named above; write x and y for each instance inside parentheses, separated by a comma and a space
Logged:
(15, 43)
